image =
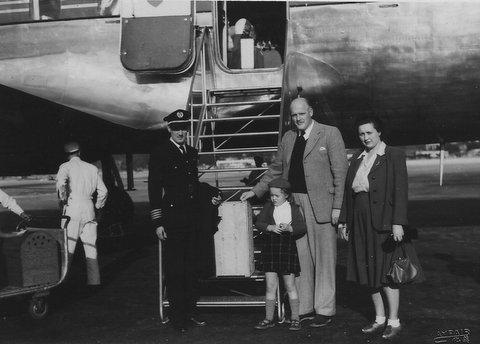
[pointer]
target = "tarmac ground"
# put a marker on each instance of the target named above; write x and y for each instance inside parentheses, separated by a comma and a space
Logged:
(125, 309)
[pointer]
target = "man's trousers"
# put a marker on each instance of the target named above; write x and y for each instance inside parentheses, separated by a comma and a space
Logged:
(87, 232)
(181, 274)
(317, 252)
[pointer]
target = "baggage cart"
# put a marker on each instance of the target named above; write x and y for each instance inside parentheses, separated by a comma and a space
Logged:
(34, 260)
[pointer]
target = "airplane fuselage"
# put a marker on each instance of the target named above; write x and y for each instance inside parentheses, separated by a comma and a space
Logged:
(413, 64)
(416, 65)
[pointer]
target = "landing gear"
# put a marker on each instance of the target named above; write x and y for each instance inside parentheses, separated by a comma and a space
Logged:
(38, 308)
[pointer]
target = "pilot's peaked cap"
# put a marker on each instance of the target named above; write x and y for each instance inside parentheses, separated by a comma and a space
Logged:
(178, 116)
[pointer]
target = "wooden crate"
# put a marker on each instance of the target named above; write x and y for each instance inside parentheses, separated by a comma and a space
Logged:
(234, 240)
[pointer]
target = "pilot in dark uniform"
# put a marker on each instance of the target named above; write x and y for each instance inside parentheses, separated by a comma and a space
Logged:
(173, 191)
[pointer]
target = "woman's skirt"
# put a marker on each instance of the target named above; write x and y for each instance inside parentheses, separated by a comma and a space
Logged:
(279, 254)
(371, 252)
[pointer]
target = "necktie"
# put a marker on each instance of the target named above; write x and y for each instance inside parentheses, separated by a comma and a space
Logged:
(182, 148)
(300, 136)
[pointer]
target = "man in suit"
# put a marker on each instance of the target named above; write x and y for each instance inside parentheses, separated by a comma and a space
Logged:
(173, 190)
(314, 161)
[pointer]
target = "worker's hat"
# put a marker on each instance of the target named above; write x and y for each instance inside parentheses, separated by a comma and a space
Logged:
(71, 147)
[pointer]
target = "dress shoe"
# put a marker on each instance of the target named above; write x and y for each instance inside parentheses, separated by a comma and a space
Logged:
(265, 324)
(373, 327)
(197, 322)
(307, 316)
(391, 332)
(321, 321)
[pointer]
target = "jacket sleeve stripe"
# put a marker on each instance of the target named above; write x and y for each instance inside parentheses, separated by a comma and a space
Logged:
(156, 214)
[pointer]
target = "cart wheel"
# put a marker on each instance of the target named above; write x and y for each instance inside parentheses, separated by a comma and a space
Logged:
(38, 308)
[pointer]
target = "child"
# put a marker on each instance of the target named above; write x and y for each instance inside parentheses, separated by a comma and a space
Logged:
(282, 223)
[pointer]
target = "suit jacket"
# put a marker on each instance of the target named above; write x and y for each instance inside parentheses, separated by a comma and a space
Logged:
(265, 218)
(388, 190)
(173, 186)
(325, 165)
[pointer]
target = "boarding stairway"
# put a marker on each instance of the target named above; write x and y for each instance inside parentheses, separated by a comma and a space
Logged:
(229, 122)
(233, 121)
(241, 135)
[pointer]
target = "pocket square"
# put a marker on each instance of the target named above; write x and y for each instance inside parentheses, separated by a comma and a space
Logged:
(322, 148)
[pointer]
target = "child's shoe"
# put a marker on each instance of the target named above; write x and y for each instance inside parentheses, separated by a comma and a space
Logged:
(295, 325)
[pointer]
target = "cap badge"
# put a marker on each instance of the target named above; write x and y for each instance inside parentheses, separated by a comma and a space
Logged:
(180, 114)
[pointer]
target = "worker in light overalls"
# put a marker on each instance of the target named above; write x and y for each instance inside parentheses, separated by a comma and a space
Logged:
(77, 181)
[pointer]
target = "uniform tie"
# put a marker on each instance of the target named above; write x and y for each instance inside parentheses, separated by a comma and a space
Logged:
(182, 148)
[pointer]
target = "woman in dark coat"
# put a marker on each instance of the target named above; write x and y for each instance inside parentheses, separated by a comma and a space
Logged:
(373, 216)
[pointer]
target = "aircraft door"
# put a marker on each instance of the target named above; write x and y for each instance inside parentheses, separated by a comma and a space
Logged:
(157, 35)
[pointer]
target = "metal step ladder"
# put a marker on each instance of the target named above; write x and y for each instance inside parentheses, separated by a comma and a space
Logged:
(231, 122)
(239, 136)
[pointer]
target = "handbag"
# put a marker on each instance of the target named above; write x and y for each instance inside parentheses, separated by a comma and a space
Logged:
(402, 270)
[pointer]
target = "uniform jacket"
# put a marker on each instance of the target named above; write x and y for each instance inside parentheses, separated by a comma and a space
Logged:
(388, 190)
(208, 220)
(173, 185)
(265, 218)
(325, 165)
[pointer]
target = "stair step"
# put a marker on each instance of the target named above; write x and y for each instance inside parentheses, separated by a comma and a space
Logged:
(247, 102)
(240, 151)
(234, 188)
(259, 133)
(241, 118)
(231, 300)
(228, 301)
(243, 91)
(240, 169)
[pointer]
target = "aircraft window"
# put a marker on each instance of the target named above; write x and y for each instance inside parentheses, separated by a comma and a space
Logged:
(19, 11)
(251, 34)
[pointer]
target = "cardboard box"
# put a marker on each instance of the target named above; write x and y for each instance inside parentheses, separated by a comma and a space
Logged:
(234, 240)
(247, 53)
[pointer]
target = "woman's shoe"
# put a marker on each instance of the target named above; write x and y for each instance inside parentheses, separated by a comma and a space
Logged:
(295, 325)
(391, 332)
(265, 324)
(373, 327)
